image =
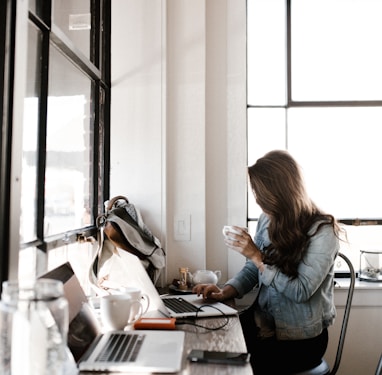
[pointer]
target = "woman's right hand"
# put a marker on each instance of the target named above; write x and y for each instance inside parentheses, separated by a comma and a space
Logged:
(212, 291)
(208, 291)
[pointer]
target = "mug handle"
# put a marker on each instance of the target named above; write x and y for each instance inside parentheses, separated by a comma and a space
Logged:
(218, 273)
(138, 315)
(147, 301)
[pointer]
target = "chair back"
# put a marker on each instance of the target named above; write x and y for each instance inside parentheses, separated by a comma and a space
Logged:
(379, 367)
(345, 320)
(323, 368)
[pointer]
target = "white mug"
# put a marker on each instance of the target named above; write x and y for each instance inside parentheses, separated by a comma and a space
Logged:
(138, 296)
(117, 311)
(229, 229)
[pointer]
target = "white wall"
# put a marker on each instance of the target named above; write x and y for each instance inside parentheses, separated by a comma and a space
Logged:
(178, 123)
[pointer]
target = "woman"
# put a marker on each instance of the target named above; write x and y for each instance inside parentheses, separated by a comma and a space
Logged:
(291, 258)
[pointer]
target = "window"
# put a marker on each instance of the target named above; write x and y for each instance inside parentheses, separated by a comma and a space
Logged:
(315, 89)
(64, 177)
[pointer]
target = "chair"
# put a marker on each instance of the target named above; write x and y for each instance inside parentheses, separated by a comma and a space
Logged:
(323, 368)
(379, 367)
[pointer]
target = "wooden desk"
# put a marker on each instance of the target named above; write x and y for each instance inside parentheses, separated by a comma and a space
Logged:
(229, 338)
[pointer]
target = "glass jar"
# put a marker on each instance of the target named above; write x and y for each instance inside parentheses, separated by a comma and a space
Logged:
(370, 265)
(6, 315)
(39, 326)
(183, 278)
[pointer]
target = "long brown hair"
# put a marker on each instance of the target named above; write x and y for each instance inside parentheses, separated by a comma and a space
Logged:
(279, 188)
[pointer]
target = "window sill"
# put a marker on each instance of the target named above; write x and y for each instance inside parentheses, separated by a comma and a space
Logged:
(366, 294)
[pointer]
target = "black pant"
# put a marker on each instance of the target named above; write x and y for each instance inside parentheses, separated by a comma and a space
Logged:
(281, 357)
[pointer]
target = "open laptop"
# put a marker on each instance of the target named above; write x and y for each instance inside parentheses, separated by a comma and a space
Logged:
(115, 351)
(176, 306)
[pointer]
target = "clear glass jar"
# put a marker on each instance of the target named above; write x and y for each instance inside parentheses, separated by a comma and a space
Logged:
(39, 326)
(183, 278)
(370, 265)
(6, 315)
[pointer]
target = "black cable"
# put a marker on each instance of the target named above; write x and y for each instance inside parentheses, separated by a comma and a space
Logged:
(193, 323)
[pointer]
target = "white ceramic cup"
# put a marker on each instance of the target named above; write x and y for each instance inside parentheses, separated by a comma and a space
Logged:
(117, 311)
(137, 295)
(229, 229)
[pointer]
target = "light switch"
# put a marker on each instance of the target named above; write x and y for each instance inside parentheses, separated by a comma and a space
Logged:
(182, 227)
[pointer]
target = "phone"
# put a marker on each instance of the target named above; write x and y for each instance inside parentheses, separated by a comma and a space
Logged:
(228, 358)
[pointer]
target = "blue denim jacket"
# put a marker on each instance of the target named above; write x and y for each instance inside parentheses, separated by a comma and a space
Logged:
(300, 307)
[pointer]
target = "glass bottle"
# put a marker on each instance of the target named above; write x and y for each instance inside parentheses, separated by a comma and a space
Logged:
(39, 326)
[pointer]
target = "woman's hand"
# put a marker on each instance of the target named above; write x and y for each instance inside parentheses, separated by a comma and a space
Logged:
(243, 244)
(212, 291)
(208, 291)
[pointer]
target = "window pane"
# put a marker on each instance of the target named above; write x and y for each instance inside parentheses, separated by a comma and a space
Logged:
(32, 262)
(36, 7)
(79, 255)
(360, 237)
(266, 132)
(340, 152)
(266, 52)
(74, 20)
(30, 139)
(32, 5)
(335, 54)
(68, 179)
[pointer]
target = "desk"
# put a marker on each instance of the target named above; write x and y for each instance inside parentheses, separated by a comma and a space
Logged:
(229, 338)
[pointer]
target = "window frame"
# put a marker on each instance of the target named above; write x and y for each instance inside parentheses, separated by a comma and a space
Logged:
(7, 56)
(290, 103)
(97, 68)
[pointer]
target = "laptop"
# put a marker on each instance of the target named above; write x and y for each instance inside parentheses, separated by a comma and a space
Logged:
(175, 306)
(115, 351)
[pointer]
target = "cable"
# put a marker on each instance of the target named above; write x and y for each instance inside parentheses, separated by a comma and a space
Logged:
(193, 323)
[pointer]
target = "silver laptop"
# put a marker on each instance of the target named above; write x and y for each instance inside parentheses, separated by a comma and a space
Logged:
(176, 306)
(116, 351)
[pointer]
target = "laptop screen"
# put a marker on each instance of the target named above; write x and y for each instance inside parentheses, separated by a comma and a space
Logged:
(83, 325)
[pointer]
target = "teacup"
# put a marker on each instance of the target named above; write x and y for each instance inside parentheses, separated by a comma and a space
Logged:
(137, 295)
(230, 229)
(119, 311)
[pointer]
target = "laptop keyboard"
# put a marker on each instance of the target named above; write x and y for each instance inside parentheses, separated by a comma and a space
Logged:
(121, 348)
(180, 305)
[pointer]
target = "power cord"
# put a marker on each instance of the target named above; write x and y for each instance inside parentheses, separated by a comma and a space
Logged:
(193, 323)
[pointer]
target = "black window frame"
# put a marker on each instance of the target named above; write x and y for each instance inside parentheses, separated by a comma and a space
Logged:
(97, 68)
(7, 56)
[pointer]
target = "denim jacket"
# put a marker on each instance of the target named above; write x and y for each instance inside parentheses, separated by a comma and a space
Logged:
(301, 307)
